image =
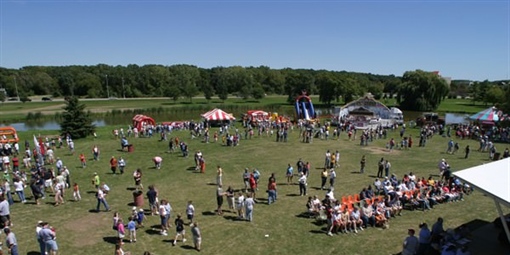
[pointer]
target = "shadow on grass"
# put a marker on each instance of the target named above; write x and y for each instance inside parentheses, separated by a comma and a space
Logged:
(131, 204)
(153, 230)
(187, 247)
(293, 195)
(91, 192)
(33, 253)
(191, 168)
(314, 231)
(111, 239)
(131, 188)
(355, 172)
(208, 213)
(305, 215)
(232, 218)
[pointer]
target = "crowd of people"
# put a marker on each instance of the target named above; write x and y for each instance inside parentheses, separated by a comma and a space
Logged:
(380, 202)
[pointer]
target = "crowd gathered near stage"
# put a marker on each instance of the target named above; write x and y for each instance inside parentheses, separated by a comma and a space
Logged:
(34, 171)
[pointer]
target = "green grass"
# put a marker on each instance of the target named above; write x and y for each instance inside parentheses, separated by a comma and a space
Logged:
(83, 232)
(461, 106)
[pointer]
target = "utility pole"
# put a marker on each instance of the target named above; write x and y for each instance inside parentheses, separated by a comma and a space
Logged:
(123, 90)
(107, 89)
(16, 87)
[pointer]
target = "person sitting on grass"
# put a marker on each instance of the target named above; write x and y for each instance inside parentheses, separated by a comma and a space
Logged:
(356, 221)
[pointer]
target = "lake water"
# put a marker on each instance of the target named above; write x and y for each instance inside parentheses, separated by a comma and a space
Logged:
(46, 125)
(126, 120)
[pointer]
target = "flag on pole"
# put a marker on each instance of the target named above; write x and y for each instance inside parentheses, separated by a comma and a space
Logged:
(39, 157)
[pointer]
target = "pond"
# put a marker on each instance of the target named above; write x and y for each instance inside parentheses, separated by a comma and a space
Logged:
(125, 120)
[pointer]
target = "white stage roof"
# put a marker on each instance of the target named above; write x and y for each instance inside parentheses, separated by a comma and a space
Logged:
(493, 179)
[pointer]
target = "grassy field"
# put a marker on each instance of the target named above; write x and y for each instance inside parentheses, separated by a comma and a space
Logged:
(82, 231)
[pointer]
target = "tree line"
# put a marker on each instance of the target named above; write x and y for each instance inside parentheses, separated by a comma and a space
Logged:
(415, 90)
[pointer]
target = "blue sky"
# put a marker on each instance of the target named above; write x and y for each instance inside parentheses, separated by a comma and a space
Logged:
(461, 39)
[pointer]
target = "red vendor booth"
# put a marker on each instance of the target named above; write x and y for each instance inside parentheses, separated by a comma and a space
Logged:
(141, 120)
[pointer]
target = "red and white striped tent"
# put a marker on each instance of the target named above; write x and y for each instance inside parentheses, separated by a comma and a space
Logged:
(217, 114)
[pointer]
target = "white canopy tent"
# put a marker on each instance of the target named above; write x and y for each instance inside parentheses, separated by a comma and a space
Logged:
(493, 179)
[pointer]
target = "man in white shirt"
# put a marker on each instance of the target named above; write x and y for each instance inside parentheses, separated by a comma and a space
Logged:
(302, 184)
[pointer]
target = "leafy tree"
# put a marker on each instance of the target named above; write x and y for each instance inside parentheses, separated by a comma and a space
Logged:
(173, 92)
(186, 78)
(2, 97)
(75, 121)
(421, 91)
(328, 86)
(258, 92)
(298, 81)
(494, 95)
(24, 98)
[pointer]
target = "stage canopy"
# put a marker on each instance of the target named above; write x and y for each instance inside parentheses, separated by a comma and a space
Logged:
(493, 179)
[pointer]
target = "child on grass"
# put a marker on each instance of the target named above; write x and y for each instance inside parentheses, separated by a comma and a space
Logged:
(76, 192)
(132, 229)
(83, 160)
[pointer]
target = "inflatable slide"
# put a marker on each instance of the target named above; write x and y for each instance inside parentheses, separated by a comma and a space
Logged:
(304, 108)
(8, 135)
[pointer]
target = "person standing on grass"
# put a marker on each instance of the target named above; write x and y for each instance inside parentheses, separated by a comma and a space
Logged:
(249, 203)
(332, 178)
(19, 188)
(380, 168)
(240, 205)
(122, 165)
(324, 178)
(202, 164)
(467, 150)
(219, 175)
(48, 237)
(83, 160)
(95, 152)
(302, 185)
(5, 212)
(137, 176)
(42, 245)
(76, 192)
(59, 194)
(11, 242)
(132, 230)
(101, 199)
(36, 190)
(230, 198)
(190, 211)
(162, 215)
(219, 199)
(113, 164)
(362, 164)
(410, 245)
(140, 216)
(271, 192)
(179, 228)
(246, 179)
(289, 174)
(387, 167)
(121, 231)
(152, 196)
(197, 236)
(96, 181)
(168, 209)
